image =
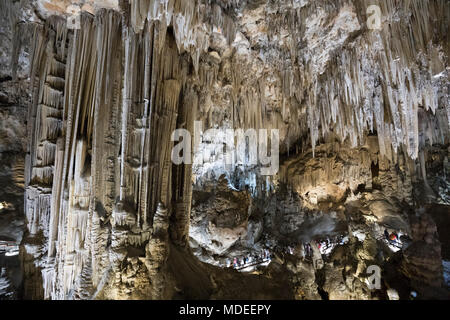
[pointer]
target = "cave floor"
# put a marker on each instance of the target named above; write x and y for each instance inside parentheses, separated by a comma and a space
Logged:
(198, 280)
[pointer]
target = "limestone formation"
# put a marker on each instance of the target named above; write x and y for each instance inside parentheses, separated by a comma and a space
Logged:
(362, 113)
(422, 259)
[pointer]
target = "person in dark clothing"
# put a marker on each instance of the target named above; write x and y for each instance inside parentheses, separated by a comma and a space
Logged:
(386, 234)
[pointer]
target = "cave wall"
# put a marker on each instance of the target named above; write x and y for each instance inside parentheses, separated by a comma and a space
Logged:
(16, 45)
(102, 195)
(99, 155)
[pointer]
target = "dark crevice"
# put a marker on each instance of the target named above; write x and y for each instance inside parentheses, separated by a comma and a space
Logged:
(320, 281)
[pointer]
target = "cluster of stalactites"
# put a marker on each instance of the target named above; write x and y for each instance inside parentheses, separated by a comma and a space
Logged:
(392, 81)
(378, 82)
(192, 22)
(385, 89)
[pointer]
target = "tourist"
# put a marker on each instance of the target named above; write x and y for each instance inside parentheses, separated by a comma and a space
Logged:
(392, 238)
(386, 234)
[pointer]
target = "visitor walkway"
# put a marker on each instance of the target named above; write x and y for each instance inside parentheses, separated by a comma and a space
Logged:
(9, 246)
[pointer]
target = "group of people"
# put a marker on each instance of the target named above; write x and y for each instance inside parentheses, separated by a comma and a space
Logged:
(326, 245)
(323, 245)
(241, 262)
(290, 250)
(265, 255)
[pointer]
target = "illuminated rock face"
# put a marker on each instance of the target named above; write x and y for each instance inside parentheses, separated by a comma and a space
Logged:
(219, 219)
(357, 110)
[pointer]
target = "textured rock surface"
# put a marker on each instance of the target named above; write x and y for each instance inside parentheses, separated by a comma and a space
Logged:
(422, 259)
(219, 218)
(15, 39)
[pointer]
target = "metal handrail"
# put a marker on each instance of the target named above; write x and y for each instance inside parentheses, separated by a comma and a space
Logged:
(256, 263)
(391, 242)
